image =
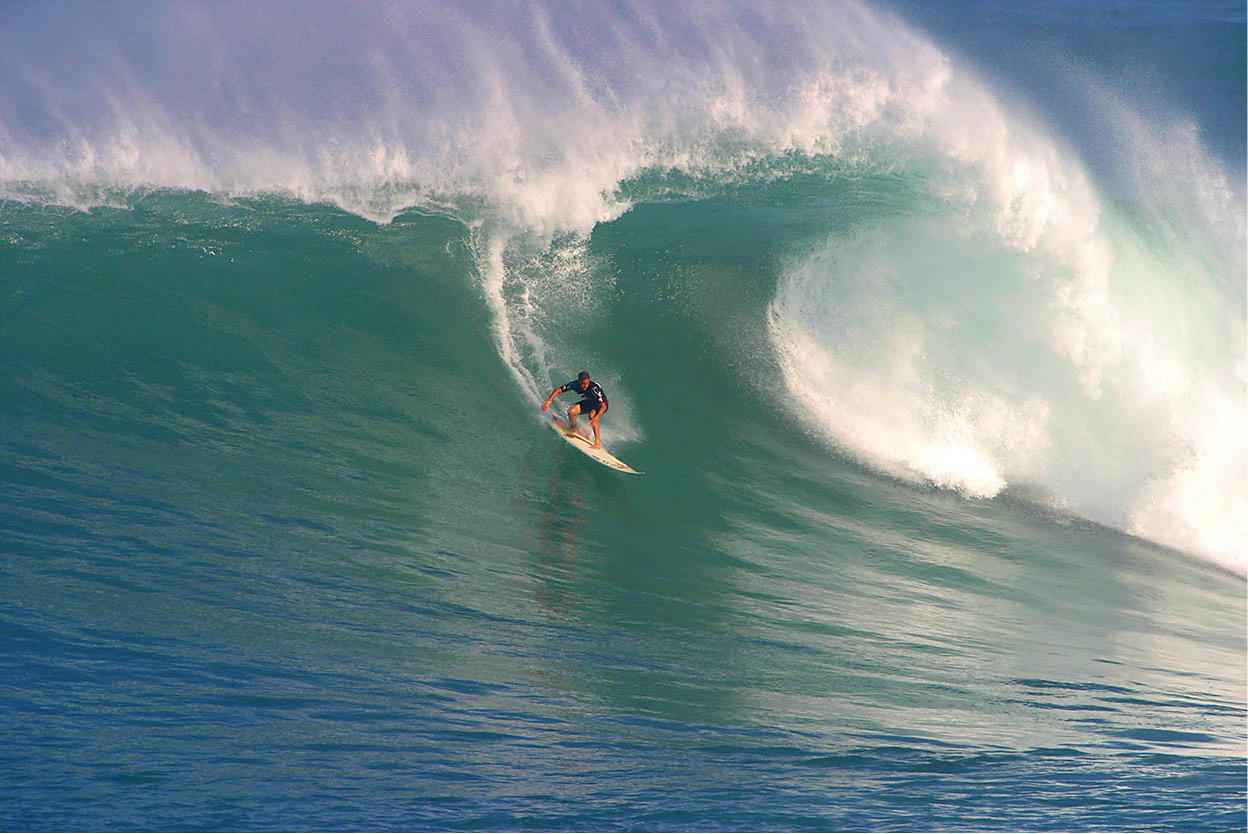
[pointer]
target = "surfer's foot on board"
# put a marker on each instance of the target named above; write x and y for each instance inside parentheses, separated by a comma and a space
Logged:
(572, 429)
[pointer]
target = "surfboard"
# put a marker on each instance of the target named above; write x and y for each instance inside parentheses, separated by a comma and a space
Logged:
(584, 444)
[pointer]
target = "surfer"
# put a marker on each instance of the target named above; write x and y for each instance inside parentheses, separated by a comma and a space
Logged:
(593, 402)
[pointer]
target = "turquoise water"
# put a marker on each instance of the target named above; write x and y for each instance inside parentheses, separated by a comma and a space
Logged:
(943, 520)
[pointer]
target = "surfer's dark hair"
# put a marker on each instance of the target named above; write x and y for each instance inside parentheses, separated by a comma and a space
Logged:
(583, 375)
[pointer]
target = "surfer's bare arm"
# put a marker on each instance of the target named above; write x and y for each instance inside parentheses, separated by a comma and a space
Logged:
(551, 398)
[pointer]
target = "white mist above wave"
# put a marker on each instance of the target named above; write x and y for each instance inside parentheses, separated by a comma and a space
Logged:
(1022, 333)
(536, 111)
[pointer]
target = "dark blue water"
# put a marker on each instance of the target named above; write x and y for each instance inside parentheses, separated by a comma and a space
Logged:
(934, 368)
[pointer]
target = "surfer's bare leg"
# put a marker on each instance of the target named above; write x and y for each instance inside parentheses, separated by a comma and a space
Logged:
(572, 412)
(593, 421)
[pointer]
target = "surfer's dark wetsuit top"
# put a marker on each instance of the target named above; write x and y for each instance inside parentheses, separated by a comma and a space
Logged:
(594, 396)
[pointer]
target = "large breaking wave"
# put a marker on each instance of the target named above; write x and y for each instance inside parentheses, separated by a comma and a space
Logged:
(987, 319)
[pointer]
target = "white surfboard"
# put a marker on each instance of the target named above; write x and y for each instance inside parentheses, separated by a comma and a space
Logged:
(584, 444)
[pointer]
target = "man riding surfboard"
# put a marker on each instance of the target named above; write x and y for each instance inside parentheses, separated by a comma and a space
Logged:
(593, 402)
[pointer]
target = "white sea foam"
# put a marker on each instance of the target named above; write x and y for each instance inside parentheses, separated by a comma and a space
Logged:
(1116, 382)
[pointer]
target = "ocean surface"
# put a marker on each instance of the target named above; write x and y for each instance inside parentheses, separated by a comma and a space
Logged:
(926, 322)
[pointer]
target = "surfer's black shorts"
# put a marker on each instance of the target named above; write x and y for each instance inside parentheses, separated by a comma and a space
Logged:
(588, 406)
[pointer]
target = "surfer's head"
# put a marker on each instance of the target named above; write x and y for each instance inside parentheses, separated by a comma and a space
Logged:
(583, 378)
